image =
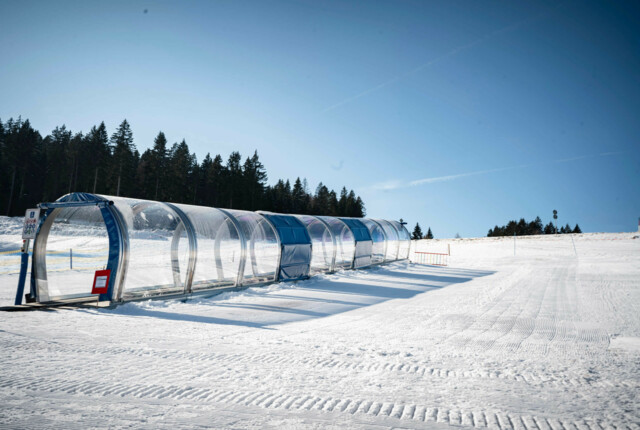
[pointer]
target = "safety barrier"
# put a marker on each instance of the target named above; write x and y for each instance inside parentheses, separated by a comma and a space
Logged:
(431, 258)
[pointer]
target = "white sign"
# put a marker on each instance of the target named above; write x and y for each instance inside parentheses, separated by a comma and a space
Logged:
(101, 281)
(30, 223)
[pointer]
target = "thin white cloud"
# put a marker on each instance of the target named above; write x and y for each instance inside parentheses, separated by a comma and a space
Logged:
(460, 175)
(388, 185)
(395, 184)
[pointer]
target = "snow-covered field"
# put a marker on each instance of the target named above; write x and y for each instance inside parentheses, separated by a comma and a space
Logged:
(546, 339)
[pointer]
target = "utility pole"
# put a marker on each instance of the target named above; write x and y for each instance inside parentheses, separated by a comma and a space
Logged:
(555, 217)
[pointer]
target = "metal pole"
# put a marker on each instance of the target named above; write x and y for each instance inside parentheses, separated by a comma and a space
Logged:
(24, 263)
(71, 258)
(514, 243)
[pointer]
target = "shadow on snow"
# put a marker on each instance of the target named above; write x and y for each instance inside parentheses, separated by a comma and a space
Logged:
(320, 296)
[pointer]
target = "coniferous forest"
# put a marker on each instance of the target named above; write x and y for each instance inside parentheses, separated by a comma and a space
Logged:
(524, 228)
(34, 169)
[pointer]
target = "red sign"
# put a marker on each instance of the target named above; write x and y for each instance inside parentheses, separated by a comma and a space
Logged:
(101, 282)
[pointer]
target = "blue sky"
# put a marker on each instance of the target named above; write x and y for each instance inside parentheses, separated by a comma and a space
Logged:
(457, 115)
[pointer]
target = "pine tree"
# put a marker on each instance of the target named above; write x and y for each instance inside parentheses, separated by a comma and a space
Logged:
(297, 197)
(417, 232)
(321, 200)
(429, 235)
(158, 165)
(24, 157)
(351, 209)
(333, 203)
(576, 229)
(123, 161)
(73, 152)
(535, 227)
(549, 228)
(359, 210)
(254, 179)
(180, 168)
(57, 166)
(233, 181)
(342, 202)
(97, 144)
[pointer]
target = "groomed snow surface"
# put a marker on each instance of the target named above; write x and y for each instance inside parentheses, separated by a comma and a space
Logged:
(546, 339)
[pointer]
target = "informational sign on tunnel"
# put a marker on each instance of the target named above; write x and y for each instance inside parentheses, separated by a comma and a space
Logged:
(31, 218)
(101, 282)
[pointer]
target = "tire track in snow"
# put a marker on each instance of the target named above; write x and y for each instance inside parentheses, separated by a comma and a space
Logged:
(479, 334)
(300, 402)
(149, 359)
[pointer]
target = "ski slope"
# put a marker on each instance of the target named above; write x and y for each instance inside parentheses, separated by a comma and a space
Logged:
(548, 338)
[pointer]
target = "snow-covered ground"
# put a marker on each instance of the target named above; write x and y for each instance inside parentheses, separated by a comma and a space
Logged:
(546, 339)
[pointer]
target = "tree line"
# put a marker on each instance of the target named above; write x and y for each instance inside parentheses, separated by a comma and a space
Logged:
(35, 169)
(524, 228)
(417, 233)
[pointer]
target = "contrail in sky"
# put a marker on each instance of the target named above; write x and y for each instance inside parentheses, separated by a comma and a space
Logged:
(436, 60)
(395, 184)
(462, 175)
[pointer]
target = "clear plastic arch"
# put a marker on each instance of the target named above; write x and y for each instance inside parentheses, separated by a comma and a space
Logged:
(262, 252)
(323, 245)
(404, 240)
(344, 240)
(391, 234)
(158, 249)
(219, 247)
(68, 264)
(379, 240)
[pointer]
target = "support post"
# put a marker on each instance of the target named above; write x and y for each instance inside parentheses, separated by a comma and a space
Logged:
(24, 265)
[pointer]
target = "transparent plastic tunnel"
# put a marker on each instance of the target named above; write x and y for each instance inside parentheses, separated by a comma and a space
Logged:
(154, 249)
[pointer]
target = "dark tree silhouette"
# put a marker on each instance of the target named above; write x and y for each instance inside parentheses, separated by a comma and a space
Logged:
(33, 169)
(417, 232)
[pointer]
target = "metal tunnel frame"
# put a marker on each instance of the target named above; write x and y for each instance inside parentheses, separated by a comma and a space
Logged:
(155, 249)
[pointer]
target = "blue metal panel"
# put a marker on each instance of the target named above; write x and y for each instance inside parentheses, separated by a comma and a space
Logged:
(114, 249)
(295, 258)
(364, 242)
(295, 262)
(290, 229)
(360, 231)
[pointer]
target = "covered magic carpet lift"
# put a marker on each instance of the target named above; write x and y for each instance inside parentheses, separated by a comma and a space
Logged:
(94, 248)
